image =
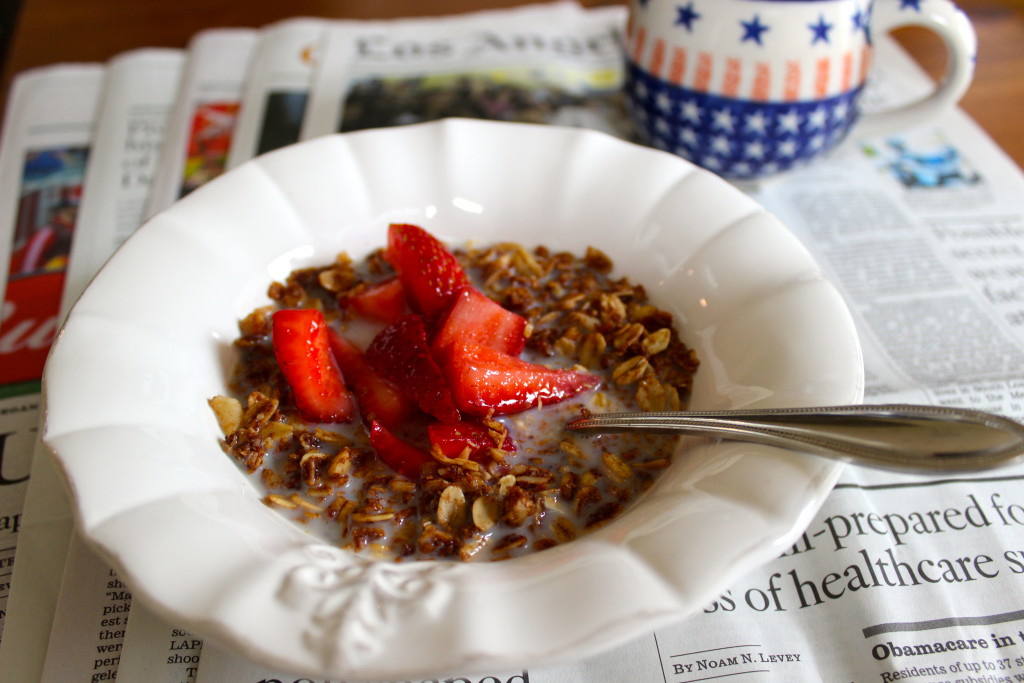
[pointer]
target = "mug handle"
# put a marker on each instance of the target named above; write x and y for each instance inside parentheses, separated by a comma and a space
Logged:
(956, 31)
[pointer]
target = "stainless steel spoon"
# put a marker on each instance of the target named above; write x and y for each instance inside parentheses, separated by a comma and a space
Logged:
(906, 438)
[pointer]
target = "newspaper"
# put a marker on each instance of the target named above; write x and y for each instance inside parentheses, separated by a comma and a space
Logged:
(138, 96)
(896, 578)
(276, 88)
(554, 64)
(137, 92)
(205, 113)
(48, 131)
(45, 149)
(132, 122)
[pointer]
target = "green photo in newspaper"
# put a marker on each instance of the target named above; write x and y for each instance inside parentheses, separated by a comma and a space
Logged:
(549, 95)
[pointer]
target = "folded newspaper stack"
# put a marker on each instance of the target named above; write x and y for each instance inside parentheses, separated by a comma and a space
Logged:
(896, 578)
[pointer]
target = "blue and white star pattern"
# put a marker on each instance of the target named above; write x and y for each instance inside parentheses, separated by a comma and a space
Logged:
(733, 137)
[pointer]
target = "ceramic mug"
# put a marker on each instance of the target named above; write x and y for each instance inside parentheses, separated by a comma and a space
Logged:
(752, 88)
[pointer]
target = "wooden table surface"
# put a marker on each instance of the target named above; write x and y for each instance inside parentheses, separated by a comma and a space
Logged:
(50, 31)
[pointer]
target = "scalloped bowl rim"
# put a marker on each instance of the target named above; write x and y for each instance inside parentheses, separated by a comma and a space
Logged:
(146, 475)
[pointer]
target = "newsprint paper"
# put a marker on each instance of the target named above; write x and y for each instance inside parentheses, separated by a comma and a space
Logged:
(48, 132)
(897, 578)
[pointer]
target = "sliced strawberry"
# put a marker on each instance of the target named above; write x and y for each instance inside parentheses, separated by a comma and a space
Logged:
(484, 379)
(378, 399)
(400, 353)
(429, 272)
(452, 438)
(400, 456)
(478, 319)
(383, 301)
(303, 353)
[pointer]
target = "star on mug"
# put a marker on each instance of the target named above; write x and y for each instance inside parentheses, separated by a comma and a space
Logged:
(692, 111)
(722, 119)
(860, 21)
(752, 30)
(820, 30)
(789, 122)
(685, 16)
(756, 123)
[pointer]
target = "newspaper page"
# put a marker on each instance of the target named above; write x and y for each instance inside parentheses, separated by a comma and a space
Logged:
(276, 88)
(205, 113)
(46, 146)
(556, 64)
(137, 103)
(129, 137)
(156, 652)
(48, 129)
(92, 599)
(136, 98)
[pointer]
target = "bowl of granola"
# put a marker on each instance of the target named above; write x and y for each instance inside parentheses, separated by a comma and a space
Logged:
(322, 418)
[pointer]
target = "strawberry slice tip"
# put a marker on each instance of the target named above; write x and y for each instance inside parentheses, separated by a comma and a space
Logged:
(483, 379)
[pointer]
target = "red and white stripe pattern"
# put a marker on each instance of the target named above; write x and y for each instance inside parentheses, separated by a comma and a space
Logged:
(783, 69)
(760, 80)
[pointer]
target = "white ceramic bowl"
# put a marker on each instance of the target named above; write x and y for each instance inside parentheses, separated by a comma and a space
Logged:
(127, 382)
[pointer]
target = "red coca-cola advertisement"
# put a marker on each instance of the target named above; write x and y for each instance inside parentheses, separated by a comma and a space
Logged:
(30, 312)
(51, 188)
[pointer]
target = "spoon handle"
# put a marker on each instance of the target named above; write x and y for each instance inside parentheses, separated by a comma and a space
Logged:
(901, 437)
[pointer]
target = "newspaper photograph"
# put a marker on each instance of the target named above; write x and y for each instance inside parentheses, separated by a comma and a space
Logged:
(205, 113)
(276, 88)
(556, 64)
